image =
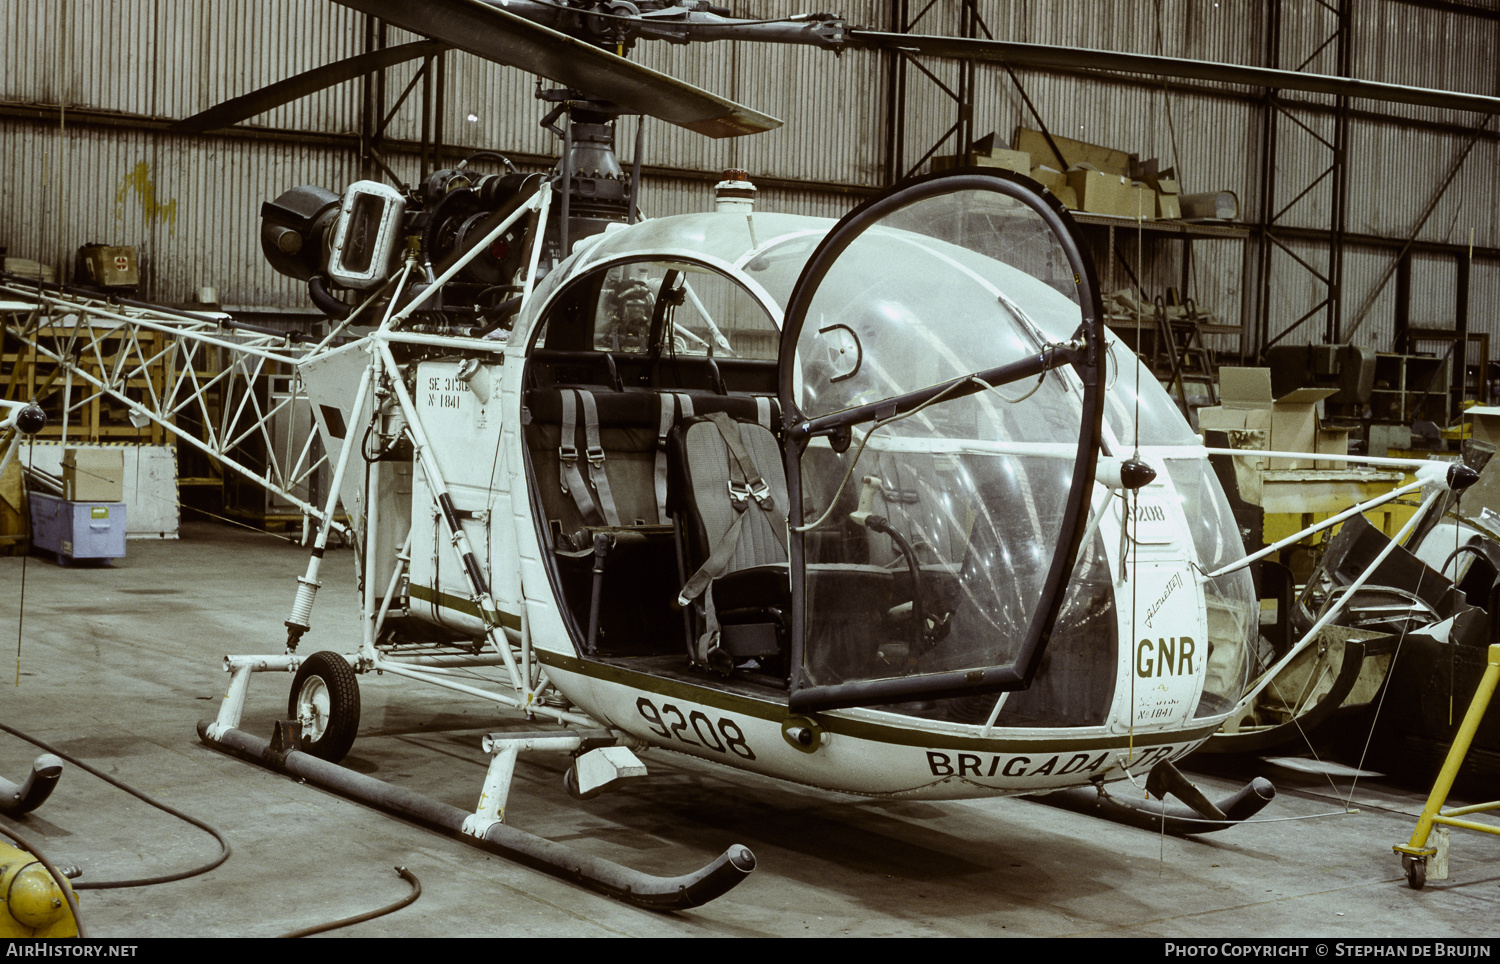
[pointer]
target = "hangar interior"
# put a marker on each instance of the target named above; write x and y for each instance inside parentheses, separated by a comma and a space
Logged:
(1299, 257)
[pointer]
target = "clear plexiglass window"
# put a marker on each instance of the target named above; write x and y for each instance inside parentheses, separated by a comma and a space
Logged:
(971, 489)
(700, 312)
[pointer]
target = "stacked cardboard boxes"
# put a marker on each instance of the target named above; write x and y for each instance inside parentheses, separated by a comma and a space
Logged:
(1289, 423)
(88, 522)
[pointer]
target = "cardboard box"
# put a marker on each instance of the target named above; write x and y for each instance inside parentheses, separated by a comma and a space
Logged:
(1105, 159)
(1167, 207)
(1103, 193)
(1484, 425)
(1018, 161)
(1290, 422)
(1141, 203)
(93, 475)
(1053, 180)
(12, 509)
(1210, 206)
(1332, 441)
(1057, 183)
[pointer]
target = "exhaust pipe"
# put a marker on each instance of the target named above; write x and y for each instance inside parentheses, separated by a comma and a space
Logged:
(16, 800)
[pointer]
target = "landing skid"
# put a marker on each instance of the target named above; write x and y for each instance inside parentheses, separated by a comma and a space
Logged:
(1158, 815)
(643, 890)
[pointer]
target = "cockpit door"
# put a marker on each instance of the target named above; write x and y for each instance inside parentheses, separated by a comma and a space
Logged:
(939, 384)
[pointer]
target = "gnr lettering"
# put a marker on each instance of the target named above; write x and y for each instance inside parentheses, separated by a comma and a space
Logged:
(1165, 657)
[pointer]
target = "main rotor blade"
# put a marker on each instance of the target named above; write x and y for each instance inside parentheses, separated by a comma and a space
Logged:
(309, 82)
(1038, 55)
(505, 38)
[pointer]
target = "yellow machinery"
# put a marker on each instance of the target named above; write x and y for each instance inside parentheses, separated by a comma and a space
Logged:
(1414, 852)
(33, 904)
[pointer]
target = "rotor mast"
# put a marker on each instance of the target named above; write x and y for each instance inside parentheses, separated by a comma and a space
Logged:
(592, 189)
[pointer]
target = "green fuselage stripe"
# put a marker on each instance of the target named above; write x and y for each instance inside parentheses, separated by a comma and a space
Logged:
(776, 712)
(460, 605)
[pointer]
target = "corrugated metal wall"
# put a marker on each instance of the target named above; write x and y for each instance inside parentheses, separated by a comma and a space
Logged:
(108, 173)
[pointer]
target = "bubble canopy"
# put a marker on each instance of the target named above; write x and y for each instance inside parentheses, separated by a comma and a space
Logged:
(942, 440)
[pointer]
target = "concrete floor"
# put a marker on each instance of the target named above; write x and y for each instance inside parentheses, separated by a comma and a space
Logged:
(118, 663)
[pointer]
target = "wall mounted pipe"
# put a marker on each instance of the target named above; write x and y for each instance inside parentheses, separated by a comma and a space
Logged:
(632, 886)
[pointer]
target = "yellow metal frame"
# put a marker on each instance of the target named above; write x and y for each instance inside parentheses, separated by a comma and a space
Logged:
(1414, 852)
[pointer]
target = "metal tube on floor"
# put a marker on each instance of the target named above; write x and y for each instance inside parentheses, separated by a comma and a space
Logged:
(16, 799)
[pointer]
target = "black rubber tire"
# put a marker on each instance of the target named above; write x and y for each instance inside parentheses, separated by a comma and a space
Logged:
(325, 697)
(1416, 871)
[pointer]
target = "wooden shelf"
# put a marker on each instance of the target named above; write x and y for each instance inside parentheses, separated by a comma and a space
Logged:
(1192, 229)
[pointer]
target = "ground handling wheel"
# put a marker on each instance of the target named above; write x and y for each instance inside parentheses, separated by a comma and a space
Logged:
(1416, 870)
(325, 700)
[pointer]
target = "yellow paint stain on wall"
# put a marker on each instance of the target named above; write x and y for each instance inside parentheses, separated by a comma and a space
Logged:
(139, 182)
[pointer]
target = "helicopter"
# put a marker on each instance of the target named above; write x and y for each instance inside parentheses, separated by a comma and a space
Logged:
(876, 506)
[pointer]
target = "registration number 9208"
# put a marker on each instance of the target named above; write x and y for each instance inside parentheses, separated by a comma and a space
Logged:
(695, 729)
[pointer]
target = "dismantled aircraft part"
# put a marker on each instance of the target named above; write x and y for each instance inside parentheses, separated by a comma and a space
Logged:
(325, 701)
(644, 890)
(1432, 679)
(32, 792)
(1402, 594)
(36, 898)
(1337, 678)
(1434, 658)
(1161, 816)
(1333, 602)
